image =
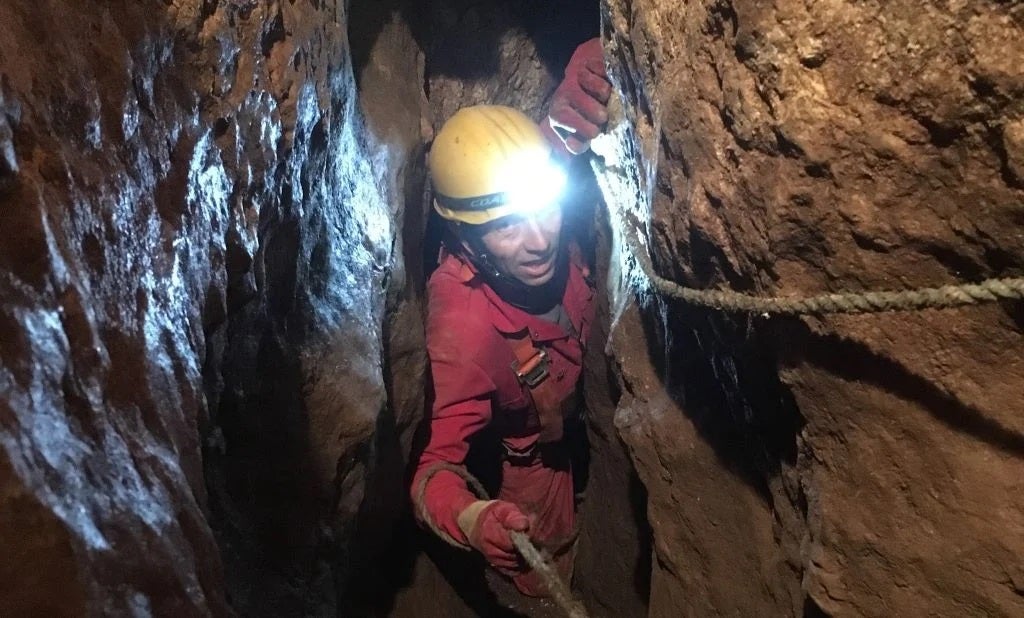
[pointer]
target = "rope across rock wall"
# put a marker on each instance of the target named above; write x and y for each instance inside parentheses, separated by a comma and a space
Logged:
(947, 296)
(616, 178)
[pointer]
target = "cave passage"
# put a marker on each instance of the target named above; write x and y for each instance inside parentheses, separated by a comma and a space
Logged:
(409, 571)
(802, 222)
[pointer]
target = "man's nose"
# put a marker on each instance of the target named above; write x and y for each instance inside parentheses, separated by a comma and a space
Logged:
(535, 240)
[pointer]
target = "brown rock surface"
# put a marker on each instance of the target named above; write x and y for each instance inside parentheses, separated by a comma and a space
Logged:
(210, 297)
(872, 465)
(199, 234)
(115, 216)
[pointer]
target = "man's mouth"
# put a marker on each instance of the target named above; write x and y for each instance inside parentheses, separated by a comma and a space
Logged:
(539, 267)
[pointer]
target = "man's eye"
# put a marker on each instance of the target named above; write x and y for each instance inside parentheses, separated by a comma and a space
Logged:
(506, 224)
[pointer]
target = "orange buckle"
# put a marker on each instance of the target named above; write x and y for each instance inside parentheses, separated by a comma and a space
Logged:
(533, 371)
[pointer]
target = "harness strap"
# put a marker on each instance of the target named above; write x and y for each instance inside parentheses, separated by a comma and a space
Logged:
(531, 367)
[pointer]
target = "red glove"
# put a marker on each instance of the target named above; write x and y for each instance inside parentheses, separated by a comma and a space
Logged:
(488, 525)
(579, 106)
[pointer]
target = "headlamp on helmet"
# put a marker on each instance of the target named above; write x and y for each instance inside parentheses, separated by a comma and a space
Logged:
(490, 161)
(534, 185)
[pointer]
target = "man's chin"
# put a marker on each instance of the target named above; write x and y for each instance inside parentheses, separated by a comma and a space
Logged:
(537, 281)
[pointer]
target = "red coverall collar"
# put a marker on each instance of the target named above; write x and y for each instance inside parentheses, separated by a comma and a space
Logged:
(509, 319)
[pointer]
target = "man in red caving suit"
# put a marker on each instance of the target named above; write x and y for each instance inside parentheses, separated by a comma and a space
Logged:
(509, 312)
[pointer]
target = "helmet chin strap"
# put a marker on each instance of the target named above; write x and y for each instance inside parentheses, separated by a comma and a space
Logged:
(535, 299)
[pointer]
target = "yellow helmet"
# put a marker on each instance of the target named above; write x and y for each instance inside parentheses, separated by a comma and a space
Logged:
(490, 161)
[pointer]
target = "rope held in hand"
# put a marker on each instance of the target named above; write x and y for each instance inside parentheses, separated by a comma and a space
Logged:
(560, 593)
(947, 296)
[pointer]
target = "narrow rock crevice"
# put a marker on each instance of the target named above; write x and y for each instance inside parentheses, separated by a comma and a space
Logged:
(218, 232)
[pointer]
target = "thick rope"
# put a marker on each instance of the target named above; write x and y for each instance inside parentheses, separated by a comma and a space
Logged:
(421, 502)
(943, 297)
(560, 593)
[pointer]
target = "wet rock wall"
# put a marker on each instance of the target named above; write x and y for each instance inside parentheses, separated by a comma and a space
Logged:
(212, 277)
(858, 465)
(211, 297)
(201, 253)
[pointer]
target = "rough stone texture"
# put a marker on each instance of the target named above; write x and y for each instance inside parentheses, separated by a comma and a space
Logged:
(389, 72)
(488, 54)
(199, 257)
(865, 465)
(317, 443)
(613, 566)
(211, 299)
(115, 217)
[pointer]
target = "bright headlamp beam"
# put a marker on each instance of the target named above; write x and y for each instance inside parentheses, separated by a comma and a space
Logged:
(534, 185)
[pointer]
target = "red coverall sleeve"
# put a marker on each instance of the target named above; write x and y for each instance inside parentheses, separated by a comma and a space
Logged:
(462, 407)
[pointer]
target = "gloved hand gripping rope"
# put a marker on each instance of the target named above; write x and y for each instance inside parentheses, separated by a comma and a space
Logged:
(560, 593)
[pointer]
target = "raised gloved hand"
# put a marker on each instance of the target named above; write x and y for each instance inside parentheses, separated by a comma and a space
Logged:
(579, 106)
(487, 525)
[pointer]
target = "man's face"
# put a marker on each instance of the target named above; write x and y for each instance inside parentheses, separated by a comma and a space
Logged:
(525, 246)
